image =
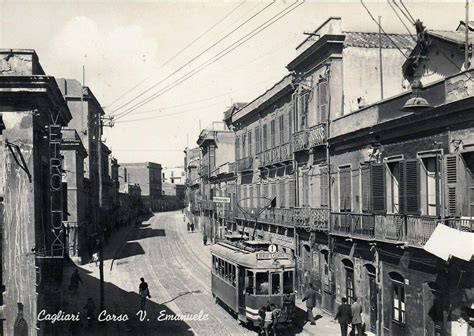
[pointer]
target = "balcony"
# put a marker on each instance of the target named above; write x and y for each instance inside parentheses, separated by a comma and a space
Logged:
(204, 171)
(317, 135)
(245, 164)
(301, 141)
(311, 219)
(393, 228)
(286, 152)
(276, 155)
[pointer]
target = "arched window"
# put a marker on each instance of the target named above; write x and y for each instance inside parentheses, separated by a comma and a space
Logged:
(350, 291)
(398, 297)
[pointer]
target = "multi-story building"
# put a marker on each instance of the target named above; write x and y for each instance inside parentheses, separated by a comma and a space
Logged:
(264, 165)
(33, 248)
(148, 176)
(174, 175)
(216, 142)
(76, 225)
(192, 164)
(130, 204)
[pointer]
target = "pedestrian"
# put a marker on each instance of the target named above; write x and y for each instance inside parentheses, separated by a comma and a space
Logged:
(310, 298)
(261, 319)
(356, 309)
(75, 279)
(90, 308)
(95, 258)
(143, 291)
(276, 312)
(189, 226)
(344, 316)
(268, 320)
(306, 280)
(192, 227)
(204, 239)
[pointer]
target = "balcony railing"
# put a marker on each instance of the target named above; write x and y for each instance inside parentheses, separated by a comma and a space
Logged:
(311, 219)
(300, 141)
(276, 155)
(317, 135)
(286, 152)
(419, 229)
(390, 227)
(245, 164)
(350, 224)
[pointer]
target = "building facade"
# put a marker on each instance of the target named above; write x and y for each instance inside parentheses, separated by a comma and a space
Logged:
(148, 176)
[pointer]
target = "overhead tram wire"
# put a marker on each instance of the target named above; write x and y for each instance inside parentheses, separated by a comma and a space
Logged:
(181, 51)
(404, 14)
(383, 31)
(399, 18)
(217, 57)
(193, 59)
(408, 12)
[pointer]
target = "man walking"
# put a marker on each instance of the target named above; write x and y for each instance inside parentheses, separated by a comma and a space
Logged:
(344, 316)
(143, 291)
(310, 298)
(356, 309)
(75, 279)
(204, 239)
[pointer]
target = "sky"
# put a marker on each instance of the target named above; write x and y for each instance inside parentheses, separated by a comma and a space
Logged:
(135, 50)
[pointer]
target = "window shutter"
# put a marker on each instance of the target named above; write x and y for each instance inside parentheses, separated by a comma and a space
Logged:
(322, 88)
(237, 148)
(324, 187)
(282, 193)
(401, 187)
(251, 196)
(265, 138)
(456, 185)
(257, 140)
(250, 144)
(412, 187)
(345, 188)
(292, 192)
(377, 177)
(365, 188)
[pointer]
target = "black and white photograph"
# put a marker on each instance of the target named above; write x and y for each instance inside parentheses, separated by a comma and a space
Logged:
(238, 167)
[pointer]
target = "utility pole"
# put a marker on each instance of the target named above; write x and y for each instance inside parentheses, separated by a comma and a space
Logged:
(380, 58)
(466, 47)
(109, 123)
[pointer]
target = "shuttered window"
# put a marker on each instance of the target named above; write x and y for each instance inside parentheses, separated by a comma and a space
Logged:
(324, 187)
(272, 134)
(457, 185)
(322, 101)
(296, 111)
(244, 145)
(412, 187)
(237, 148)
(282, 194)
(250, 144)
(257, 140)
(345, 189)
(305, 189)
(290, 125)
(258, 195)
(265, 138)
(292, 193)
(378, 195)
(251, 203)
(365, 189)
(281, 124)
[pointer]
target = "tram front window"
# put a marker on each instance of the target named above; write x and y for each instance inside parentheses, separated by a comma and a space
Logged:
(275, 283)
(288, 282)
(249, 285)
(262, 283)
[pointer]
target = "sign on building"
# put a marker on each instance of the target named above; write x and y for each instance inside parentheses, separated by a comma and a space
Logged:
(218, 199)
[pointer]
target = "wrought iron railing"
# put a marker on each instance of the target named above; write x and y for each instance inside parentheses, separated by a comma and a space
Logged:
(300, 141)
(317, 135)
(245, 164)
(311, 219)
(351, 224)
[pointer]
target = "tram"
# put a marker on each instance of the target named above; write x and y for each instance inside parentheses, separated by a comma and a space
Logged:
(246, 277)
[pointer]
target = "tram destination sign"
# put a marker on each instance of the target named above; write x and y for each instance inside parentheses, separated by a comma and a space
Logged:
(217, 199)
(269, 255)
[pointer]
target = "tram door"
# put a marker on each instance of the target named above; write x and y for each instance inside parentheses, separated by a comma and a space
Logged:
(241, 290)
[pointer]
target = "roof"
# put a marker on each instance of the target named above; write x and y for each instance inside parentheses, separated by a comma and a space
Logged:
(371, 40)
(457, 37)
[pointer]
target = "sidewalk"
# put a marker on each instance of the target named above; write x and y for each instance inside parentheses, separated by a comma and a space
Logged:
(324, 324)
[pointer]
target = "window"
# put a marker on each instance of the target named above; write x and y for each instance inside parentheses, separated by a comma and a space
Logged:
(276, 290)
(237, 148)
(429, 180)
(282, 194)
(281, 123)
(345, 189)
(262, 284)
(365, 188)
(324, 187)
(377, 178)
(290, 125)
(322, 101)
(272, 134)
(288, 282)
(244, 145)
(249, 140)
(350, 284)
(249, 288)
(258, 148)
(265, 138)
(398, 298)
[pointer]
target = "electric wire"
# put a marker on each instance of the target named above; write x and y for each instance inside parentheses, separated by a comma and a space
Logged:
(399, 18)
(217, 57)
(383, 31)
(408, 12)
(181, 51)
(192, 59)
(403, 12)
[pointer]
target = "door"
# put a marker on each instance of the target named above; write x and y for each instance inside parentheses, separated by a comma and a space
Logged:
(241, 290)
(373, 303)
